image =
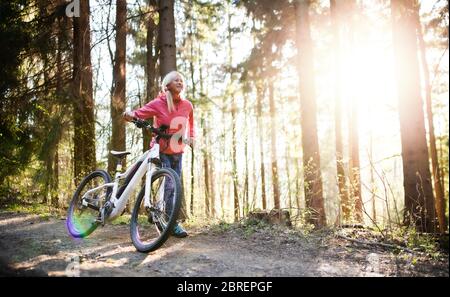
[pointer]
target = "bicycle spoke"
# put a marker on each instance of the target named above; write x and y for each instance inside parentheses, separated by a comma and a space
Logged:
(83, 219)
(152, 231)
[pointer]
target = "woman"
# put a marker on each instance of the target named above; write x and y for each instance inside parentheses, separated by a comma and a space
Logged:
(169, 109)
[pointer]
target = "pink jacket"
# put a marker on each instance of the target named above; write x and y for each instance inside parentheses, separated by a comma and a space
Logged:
(177, 121)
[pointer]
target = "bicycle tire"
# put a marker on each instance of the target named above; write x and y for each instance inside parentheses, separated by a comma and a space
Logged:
(76, 229)
(164, 235)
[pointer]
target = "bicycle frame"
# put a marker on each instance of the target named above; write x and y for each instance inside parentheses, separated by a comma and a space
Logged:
(119, 203)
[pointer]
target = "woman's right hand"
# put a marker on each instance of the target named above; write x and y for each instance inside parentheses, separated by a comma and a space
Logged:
(128, 116)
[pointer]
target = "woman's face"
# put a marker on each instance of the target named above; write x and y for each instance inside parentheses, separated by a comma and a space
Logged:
(176, 85)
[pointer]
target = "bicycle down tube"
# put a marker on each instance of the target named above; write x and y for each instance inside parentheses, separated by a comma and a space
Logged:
(146, 167)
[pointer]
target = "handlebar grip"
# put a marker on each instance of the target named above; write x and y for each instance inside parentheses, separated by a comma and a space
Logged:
(140, 123)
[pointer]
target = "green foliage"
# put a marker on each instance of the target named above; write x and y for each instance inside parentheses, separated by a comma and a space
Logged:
(16, 146)
(437, 22)
(125, 220)
(250, 226)
(15, 37)
(30, 123)
(221, 227)
(15, 131)
(425, 242)
(45, 212)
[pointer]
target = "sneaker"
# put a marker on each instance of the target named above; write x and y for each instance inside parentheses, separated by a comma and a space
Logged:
(179, 232)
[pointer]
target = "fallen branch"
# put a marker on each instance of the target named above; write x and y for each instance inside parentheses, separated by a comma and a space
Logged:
(392, 246)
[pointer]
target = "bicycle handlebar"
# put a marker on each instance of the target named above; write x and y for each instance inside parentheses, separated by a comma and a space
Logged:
(158, 131)
(146, 125)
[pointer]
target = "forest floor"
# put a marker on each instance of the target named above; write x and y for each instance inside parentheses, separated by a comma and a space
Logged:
(36, 245)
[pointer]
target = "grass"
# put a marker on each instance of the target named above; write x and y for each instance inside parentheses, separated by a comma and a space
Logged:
(43, 211)
(221, 227)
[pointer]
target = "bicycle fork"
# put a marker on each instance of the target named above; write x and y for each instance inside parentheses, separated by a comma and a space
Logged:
(152, 209)
(148, 186)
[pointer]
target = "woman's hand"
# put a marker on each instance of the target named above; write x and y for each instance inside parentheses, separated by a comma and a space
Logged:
(128, 116)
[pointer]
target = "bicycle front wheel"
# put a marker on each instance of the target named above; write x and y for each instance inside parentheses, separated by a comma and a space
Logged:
(83, 214)
(150, 227)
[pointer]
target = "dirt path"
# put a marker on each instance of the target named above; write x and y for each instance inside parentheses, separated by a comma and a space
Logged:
(30, 245)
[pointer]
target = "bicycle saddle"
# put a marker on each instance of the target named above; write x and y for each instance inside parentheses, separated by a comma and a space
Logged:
(119, 155)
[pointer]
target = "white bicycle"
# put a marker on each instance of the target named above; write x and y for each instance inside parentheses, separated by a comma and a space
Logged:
(98, 200)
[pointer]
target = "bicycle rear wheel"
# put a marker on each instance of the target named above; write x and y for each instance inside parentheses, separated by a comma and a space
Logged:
(151, 227)
(82, 219)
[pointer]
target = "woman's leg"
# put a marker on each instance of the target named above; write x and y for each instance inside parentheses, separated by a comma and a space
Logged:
(166, 161)
(175, 162)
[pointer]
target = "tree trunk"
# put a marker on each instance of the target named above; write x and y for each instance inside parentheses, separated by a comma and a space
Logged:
(167, 58)
(183, 216)
(192, 182)
(245, 203)
(354, 167)
(259, 96)
(343, 194)
(372, 179)
(273, 130)
(310, 143)
(167, 54)
(233, 129)
(234, 169)
(209, 183)
(419, 199)
(222, 195)
(255, 177)
(206, 171)
(212, 186)
(191, 68)
(55, 185)
(287, 160)
(83, 114)
(118, 140)
(150, 69)
(437, 181)
(297, 183)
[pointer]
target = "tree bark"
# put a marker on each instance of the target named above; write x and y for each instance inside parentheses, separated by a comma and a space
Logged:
(55, 185)
(310, 143)
(354, 170)
(212, 186)
(193, 88)
(118, 140)
(245, 203)
(343, 193)
(233, 127)
(83, 114)
(259, 95)
(419, 199)
(273, 129)
(288, 163)
(166, 37)
(206, 171)
(372, 178)
(436, 173)
(354, 167)
(150, 70)
(233, 156)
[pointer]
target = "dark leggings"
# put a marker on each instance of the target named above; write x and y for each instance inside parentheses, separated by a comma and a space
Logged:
(174, 162)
